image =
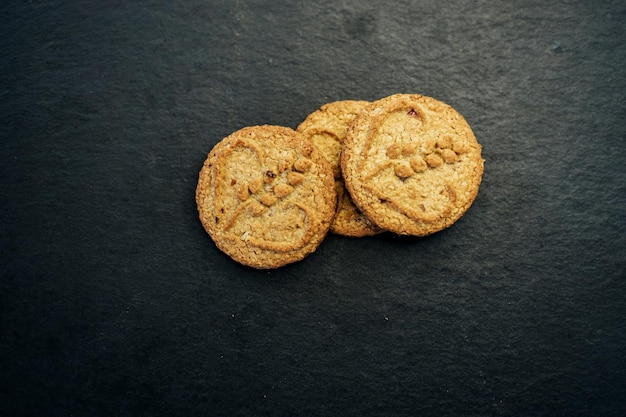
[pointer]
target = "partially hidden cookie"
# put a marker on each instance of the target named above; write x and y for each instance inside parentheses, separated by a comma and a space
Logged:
(412, 164)
(326, 128)
(266, 196)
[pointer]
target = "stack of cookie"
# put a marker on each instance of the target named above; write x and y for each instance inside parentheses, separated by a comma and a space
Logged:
(407, 164)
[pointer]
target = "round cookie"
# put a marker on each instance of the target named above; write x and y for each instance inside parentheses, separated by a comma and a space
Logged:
(411, 164)
(266, 196)
(326, 128)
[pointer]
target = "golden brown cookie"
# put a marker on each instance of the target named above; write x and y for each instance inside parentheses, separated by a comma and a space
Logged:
(326, 128)
(266, 196)
(411, 164)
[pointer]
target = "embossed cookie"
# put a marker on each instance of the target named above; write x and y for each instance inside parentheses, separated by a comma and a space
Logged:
(411, 164)
(326, 128)
(266, 196)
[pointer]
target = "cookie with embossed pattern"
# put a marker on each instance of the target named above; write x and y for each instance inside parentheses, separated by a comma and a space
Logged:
(326, 128)
(266, 196)
(412, 164)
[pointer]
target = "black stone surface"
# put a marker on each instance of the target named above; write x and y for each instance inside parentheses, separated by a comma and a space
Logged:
(115, 302)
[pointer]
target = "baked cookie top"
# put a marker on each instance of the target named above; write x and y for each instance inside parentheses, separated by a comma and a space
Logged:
(266, 196)
(412, 164)
(326, 128)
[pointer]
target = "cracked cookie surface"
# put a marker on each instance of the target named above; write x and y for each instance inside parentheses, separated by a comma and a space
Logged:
(412, 164)
(326, 128)
(266, 196)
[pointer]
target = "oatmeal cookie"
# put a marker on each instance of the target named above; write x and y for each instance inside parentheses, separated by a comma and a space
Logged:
(412, 164)
(266, 196)
(326, 128)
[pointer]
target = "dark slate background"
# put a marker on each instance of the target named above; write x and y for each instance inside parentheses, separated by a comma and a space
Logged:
(115, 302)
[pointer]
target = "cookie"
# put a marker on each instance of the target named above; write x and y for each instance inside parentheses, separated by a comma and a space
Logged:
(326, 128)
(266, 196)
(411, 164)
